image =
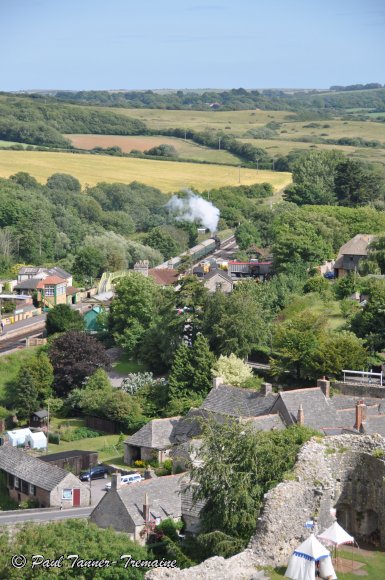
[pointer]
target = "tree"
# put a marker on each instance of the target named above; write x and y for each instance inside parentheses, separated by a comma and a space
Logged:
(355, 185)
(295, 344)
(202, 360)
(75, 356)
(64, 182)
(70, 537)
(163, 150)
(161, 240)
(62, 318)
(181, 375)
(88, 263)
(25, 397)
(338, 351)
(133, 310)
(232, 369)
(238, 466)
(369, 323)
(33, 385)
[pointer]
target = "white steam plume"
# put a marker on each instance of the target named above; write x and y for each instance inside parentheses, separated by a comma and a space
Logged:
(194, 208)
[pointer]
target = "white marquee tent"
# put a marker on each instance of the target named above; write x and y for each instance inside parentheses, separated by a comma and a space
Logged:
(303, 561)
(336, 535)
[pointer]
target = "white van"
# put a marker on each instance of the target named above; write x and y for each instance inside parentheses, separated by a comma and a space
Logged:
(126, 479)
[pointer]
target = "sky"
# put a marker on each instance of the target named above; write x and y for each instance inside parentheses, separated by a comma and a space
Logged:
(155, 44)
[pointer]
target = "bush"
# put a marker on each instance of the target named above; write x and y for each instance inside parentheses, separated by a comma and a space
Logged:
(167, 465)
(139, 463)
(54, 438)
(170, 528)
(379, 453)
(79, 433)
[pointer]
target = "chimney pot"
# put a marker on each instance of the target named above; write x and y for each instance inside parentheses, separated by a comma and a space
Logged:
(217, 381)
(324, 385)
(360, 415)
(266, 388)
(300, 416)
(146, 509)
(116, 481)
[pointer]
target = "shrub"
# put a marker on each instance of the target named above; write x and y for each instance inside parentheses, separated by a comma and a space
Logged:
(54, 438)
(79, 433)
(379, 453)
(139, 463)
(167, 466)
(170, 528)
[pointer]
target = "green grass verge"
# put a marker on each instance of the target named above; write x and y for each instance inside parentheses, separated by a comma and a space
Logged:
(105, 445)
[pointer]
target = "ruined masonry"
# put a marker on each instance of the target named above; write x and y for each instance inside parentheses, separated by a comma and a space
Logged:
(346, 472)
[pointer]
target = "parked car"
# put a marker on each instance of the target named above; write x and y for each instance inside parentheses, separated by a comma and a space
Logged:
(329, 275)
(127, 479)
(96, 472)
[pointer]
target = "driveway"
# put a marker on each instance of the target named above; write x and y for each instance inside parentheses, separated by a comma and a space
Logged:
(97, 488)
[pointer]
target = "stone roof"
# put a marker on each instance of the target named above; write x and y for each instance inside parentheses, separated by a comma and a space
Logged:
(29, 284)
(191, 506)
(187, 451)
(41, 414)
(219, 273)
(375, 424)
(265, 422)
(156, 434)
(357, 246)
(57, 271)
(318, 410)
(18, 463)
(238, 402)
(164, 495)
(189, 426)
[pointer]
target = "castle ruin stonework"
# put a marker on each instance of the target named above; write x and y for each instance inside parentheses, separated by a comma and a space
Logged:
(345, 472)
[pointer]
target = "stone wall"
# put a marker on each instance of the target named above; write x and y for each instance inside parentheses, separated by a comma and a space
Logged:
(355, 390)
(339, 471)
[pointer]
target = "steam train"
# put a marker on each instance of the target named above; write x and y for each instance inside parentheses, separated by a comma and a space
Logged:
(195, 253)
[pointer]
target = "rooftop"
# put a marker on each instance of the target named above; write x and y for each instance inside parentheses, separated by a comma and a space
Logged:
(238, 402)
(156, 434)
(18, 463)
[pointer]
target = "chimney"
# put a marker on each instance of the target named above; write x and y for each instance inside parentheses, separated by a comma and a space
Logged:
(149, 473)
(141, 267)
(324, 385)
(116, 481)
(217, 381)
(300, 416)
(266, 389)
(360, 416)
(146, 509)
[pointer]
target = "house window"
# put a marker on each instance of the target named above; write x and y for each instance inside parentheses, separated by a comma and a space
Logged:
(24, 487)
(60, 290)
(32, 489)
(11, 480)
(17, 483)
(49, 290)
(67, 494)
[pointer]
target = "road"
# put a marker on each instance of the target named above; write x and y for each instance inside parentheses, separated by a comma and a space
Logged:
(11, 518)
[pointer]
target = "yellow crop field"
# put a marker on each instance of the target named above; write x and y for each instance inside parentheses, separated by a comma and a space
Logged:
(168, 176)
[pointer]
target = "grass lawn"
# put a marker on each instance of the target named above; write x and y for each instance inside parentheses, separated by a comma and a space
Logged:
(10, 366)
(374, 565)
(186, 149)
(124, 367)
(312, 302)
(106, 445)
(169, 176)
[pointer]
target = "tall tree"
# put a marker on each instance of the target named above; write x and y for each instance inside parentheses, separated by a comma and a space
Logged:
(75, 356)
(133, 310)
(62, 318)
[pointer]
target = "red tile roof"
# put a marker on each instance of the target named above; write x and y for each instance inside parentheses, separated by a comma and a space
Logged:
(51, 281)
(163, 276)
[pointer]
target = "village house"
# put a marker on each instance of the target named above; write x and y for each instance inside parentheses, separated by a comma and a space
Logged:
(138, 507)
(161, 276)
(29, 478)
(152, 442)
(351, 254)
(218, 280)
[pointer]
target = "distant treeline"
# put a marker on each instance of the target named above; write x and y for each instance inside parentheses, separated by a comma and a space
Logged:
(357, 87)
(42, 123)
(361, 96)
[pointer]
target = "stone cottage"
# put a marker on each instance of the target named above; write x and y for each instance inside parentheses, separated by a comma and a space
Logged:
(152, 442)
(138, 507)
(29, 478)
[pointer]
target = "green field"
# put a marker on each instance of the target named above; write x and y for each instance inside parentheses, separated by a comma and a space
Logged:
(329, 310)
(234, 122)
(185, 149)
(168, 176)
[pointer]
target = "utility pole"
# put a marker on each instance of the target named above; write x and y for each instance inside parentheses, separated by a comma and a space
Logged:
(219, 143)
(185, 135)
(257, 160)
(239, 174)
